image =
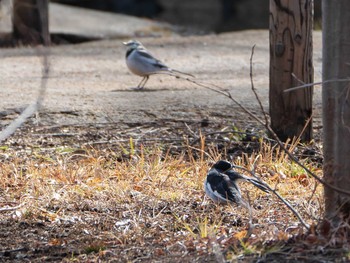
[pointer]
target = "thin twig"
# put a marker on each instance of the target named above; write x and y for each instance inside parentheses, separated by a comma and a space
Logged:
(315, 84)
(297, 79)
(253, 88)
(11, 208)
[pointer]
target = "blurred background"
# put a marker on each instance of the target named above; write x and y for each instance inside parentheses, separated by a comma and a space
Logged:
(198, 16)
(75, 21)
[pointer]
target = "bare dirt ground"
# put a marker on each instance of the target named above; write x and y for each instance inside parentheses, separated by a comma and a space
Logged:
(91, 80)
(89, 84)
(89, 102)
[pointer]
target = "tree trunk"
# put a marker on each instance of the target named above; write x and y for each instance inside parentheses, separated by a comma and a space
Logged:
(30, 22)
(336, 106)
(291, 54)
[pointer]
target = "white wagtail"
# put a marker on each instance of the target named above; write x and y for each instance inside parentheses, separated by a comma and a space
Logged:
(142, 63)
(221, 184)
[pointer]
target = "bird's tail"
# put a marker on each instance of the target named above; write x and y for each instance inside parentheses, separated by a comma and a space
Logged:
(258, 184)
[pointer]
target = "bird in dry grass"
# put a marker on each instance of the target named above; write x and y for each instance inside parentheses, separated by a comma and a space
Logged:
(221, 184)
(142, 63)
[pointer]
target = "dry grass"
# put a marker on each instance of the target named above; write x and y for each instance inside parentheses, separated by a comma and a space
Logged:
(151, 205)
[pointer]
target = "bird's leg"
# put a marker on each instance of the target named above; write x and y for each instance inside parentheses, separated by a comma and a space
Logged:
(142, 83)
(139, 85)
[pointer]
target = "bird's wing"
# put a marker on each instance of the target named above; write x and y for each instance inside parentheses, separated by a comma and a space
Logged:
(148, 58)
(231, 188)
(234, 176)
(215, 193)
(219, 186)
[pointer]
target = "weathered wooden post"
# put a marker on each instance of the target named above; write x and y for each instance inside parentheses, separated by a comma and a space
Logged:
(291, 65)
(31, 22)
(336, 108)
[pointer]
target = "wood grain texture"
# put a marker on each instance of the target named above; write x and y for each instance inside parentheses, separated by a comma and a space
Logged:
(291, 65)
(336, 108)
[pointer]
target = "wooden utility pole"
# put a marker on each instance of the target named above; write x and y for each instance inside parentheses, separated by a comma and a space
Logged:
(336, 107)
(31, 22)
(290, 66)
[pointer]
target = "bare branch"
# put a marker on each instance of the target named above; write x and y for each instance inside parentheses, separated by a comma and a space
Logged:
(253, 88)
(315, 84)
(297, 79)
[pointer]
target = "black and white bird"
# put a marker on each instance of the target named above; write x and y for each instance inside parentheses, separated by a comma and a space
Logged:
(221, 184)
(142, 63)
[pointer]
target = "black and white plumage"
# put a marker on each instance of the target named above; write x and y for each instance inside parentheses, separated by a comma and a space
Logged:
(221, 184)
(142, 63)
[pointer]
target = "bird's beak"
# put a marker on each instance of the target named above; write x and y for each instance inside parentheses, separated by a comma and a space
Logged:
(125, 43)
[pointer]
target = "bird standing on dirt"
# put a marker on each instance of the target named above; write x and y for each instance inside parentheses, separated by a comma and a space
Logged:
(221, 184)
(142, 63)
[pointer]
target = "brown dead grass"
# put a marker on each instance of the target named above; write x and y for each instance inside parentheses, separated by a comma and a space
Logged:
(92, 205)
